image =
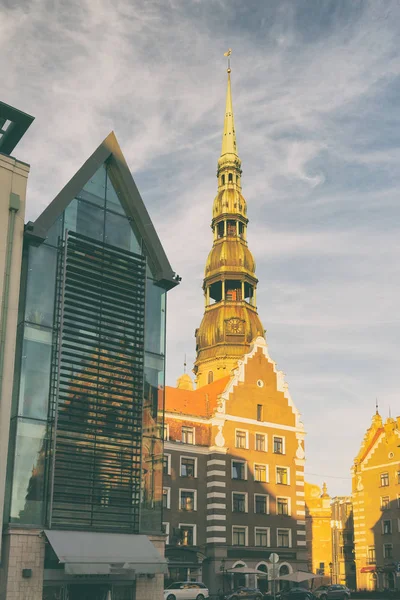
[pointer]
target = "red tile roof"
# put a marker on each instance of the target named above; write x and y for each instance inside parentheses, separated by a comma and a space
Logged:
(201, 402)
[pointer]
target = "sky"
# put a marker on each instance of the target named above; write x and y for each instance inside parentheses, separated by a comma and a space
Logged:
(316, 88)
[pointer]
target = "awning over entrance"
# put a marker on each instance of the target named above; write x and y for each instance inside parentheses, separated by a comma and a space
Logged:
(89, 553)
(371, 569)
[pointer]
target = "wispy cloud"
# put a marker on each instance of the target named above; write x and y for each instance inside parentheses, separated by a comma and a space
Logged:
(315, 98)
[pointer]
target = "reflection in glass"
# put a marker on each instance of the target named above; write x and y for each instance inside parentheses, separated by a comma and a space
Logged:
(90, 221)
(113, 202)
(95, 189)
(40, 285)
(29, 466)
(55, 232)
(155, 318)
(35, 373)
(119, 233)
(153, 392)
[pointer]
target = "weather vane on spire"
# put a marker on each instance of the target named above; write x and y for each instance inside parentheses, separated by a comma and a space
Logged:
(228, 55)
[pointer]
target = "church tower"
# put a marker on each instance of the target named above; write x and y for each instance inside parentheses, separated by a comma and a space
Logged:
(230, 320)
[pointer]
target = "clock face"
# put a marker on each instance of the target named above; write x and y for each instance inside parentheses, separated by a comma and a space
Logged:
(235, 325)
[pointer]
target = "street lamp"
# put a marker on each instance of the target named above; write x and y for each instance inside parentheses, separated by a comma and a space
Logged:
(331, 570)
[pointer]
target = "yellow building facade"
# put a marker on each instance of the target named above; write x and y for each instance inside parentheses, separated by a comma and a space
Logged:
(376, 505)
(318, 530)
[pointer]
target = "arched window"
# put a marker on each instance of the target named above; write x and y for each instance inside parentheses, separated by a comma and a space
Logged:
(230, 177)
(223, 180)
(239, 579)
(283, 585)
(210, 377)
(262, 582)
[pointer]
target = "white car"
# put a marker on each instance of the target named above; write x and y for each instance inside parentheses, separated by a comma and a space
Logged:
(186, 590)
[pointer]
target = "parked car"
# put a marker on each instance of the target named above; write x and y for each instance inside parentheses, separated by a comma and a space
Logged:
(244, 593)
(186, 590)
(332, 592)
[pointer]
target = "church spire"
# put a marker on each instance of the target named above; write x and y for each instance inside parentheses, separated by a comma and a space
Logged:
(230, 321)
(229, 135)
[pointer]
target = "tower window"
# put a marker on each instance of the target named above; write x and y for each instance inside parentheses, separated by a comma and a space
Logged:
(230, 177)
(231, 228)
(233, 291)
(241, 229)
(220, 230)
(210, 377)
(223, 180)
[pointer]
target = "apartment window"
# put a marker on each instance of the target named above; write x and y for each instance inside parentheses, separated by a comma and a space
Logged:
(259, 412)
(166, 531)
(384, 479)
(166, 498)
(398, 501)
(238, 469)
(371, 555)
(187, 499)
(241, 438)
(278, 445)
(283, 538)
(239, 502)
(282, 475)
(387, 550)
(187, 535)
(385, 502)
(167, 464)
(282, 506)
(260, 472)
(387, 527)
(398, 476)
(166, 432)
(187, 435)
(260, 504)
(239, 536)
(188, 467)
(261, 446)
(261, 535)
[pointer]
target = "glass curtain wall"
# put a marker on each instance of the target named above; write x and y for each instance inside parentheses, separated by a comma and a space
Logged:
(98, 213)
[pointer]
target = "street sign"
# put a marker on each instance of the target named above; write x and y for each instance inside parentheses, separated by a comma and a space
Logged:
(274, 558)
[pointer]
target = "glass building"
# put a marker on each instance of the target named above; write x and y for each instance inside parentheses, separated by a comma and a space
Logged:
(86, 432)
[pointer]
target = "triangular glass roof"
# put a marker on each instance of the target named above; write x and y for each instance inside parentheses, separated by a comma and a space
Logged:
(105, 182)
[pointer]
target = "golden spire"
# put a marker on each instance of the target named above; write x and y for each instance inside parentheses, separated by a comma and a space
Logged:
(230, 321)
(229, 134)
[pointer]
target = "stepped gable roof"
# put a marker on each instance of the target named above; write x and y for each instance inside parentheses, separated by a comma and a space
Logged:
(201, 402)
